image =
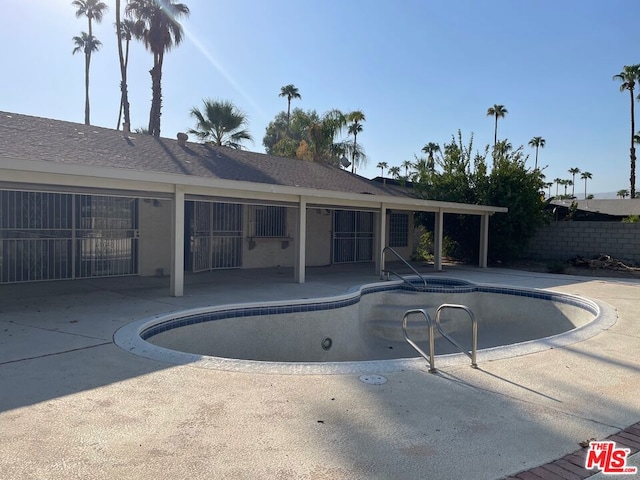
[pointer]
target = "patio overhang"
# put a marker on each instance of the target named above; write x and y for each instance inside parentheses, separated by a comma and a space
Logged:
(61, 177)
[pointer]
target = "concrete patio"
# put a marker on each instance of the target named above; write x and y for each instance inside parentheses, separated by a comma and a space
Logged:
(73, 405)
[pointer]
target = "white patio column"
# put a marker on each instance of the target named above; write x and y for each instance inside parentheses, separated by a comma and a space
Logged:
(177, 242)
(437, 240)
(301, 242)
(484, 240)
(382, 239)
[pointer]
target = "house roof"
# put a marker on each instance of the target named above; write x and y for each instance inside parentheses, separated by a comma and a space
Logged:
(25, 137)
(613, 207)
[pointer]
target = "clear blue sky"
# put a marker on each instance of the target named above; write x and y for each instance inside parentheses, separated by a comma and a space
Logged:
(419, 70)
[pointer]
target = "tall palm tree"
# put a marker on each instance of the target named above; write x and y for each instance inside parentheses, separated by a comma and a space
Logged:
(407, 164)
(557, 181)
(549, 185)
(322, 133)
(157, 23)
(382, 166)
(430, 149)
(566, 183)
(394, 172)
(220, 123)
(628, 78)
(290, 91)
(87, 44)
(93, 10)
(497, 111)
(355, 119)
(585, 176)
(537, 142)
(573, 172)
(125, 30)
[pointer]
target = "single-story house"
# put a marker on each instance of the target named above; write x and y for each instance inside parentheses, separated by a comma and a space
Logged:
(596, 209)
(80, 201)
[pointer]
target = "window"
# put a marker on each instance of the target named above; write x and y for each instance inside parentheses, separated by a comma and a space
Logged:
(399, 230)
(269, 221)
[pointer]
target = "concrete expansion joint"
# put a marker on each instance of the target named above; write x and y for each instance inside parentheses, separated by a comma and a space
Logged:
(55, 353)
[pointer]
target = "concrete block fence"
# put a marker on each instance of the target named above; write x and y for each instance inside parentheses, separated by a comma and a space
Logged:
(564, 240)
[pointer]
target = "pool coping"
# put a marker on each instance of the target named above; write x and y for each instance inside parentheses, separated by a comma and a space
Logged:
(130, 336)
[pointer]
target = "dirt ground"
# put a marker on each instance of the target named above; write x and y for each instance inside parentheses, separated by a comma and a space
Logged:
(567, 268)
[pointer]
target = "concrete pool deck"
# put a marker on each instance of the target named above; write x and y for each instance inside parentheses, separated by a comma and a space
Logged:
(74, 405)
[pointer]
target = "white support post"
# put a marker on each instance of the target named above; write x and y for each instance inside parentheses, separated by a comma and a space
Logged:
(484, 240)
(382, 239)
(301, 242)
(437, 240)
(177, 242)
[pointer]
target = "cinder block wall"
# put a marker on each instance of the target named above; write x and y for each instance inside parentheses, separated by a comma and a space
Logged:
(564, 240)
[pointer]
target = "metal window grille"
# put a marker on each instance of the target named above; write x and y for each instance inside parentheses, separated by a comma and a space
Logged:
(54, 236)
(352, 236)
(399, 230)
(216, 236)
(269, 221)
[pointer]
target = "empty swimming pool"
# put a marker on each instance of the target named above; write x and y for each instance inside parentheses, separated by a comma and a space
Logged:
(361, 330)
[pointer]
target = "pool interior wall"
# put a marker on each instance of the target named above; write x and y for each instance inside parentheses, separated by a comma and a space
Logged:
(365, 325)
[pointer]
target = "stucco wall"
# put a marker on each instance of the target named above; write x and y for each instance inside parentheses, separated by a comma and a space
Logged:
(564, 240)
(269, 252)
(404, 252)
(318, 237)
(155, 236)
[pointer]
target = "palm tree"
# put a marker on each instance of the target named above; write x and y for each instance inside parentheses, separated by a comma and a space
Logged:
(355, 120)
(93, 10)
(537, 142)
(557, 181)
(125, 30)
(497, 111)
(394, 172)
(431, 148)
(566, 183)
(585, 176)
(573, 172)
(290, 91)
(407, 164)
(157, 23)
(628, 78)
(382, 166)
(87, 44)
(624, 193)
(549, 185)
(220, 123)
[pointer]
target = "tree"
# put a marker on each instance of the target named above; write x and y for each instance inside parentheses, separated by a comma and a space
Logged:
(566, 183)
(407, 164)
(125, 30)
(624, 193)
(355, 120)
(585, 176)
(497, 111)
(382, 166)
(220, 123)
(157, 23)
(87, 44)
(430, 149)
(573, 172)
(549, 185)
(558, 182)
(394, 172)
(463, 176)
(628, 77)
(93, 10)
(537, 142)
(290, 91)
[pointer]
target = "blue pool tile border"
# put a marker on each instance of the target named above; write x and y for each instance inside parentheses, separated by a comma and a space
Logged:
(434, 285)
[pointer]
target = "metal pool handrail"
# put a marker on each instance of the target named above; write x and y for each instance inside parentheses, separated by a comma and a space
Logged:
(430, 325)
(382, 270)
(430, 358)
(474, 331)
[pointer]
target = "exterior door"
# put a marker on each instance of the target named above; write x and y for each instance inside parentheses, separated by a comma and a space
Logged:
(352, 236)
(216, 236)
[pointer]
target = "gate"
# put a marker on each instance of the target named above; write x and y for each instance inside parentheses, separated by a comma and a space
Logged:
(352, 236)
(216, 236)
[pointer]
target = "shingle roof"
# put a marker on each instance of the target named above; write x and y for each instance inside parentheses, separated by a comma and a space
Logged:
(24, 137)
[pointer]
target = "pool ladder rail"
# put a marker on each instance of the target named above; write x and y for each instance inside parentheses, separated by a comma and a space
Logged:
(436, 325)
(384, 272)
